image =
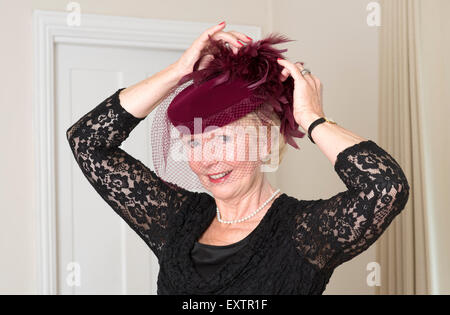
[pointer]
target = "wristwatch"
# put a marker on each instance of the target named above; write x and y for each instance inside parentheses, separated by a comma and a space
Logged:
(318, 122)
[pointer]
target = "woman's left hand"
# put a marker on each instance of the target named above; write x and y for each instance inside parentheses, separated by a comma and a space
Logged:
(307, 93)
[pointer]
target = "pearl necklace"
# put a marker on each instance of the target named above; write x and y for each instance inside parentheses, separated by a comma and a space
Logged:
(250, 215)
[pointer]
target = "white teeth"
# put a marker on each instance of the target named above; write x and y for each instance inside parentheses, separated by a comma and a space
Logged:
(219, 175)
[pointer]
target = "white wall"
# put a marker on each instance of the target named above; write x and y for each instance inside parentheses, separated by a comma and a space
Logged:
(332, 38)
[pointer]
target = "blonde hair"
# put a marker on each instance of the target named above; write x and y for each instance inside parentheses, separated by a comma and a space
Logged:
(267, 116)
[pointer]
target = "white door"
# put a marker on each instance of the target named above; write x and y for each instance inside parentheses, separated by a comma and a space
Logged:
(97, 253)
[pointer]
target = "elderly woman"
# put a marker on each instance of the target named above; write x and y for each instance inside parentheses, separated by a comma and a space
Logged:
(243, 236)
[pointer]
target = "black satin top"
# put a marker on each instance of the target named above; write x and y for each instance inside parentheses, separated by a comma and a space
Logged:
(208, 259)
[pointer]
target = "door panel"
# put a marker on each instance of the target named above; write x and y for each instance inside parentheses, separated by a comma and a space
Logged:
(111, 258)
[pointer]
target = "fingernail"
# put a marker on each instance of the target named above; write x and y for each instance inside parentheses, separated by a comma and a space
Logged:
(249, 38)
(222, 23)
(240, 43)
(279, 59)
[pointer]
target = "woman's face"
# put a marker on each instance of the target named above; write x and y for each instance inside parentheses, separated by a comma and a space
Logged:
(227, 160)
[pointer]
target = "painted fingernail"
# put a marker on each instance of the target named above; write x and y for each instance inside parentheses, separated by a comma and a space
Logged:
(240, 43)
(250, 38)
(279, 59)
(222, 23)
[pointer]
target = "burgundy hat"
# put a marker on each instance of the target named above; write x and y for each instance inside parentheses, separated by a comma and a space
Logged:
(230, 87)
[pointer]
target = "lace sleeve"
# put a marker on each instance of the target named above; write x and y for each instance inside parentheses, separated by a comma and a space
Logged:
(133, 191)
(332, 231)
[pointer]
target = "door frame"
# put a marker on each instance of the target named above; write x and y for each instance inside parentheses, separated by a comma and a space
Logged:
(49, 29)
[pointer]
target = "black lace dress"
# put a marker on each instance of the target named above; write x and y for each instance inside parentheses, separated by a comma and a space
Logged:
(293, 250)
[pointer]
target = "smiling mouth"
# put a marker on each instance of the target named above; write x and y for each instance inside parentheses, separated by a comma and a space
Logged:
(219, 176)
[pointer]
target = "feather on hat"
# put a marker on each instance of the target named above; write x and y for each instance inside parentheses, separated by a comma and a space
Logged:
(237, 84)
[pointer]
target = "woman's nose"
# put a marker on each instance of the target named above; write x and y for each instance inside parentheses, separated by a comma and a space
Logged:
(209, 160)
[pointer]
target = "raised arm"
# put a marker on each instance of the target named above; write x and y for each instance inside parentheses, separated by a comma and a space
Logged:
(332, 231)
(133, 191)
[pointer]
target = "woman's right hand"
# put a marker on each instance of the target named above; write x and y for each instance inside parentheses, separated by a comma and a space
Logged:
(185, 64)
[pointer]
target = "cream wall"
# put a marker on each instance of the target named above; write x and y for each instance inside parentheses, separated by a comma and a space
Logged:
(332, 38)
(335, 42)
(435, 66)
(17, 221)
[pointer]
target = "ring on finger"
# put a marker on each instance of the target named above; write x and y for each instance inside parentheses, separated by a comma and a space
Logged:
(305, 71)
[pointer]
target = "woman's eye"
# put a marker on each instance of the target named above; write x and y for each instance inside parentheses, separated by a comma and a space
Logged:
(193, 143)
(225, 138)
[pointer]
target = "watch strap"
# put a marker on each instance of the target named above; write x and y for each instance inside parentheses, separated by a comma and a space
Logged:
(316, 123)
